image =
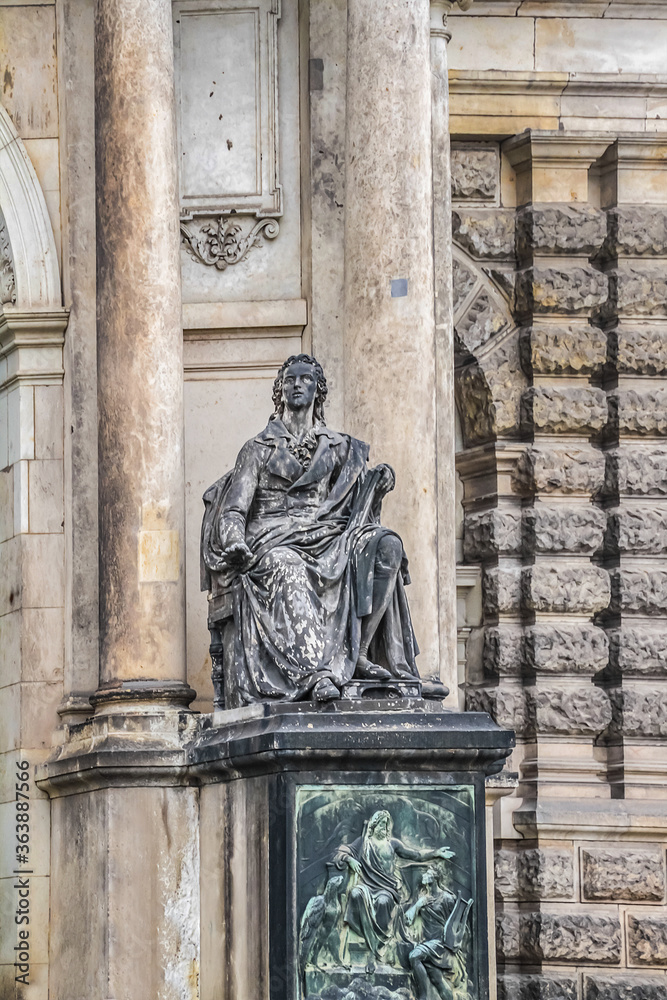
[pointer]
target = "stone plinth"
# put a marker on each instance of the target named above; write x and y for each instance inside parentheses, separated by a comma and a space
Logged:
(289, 795)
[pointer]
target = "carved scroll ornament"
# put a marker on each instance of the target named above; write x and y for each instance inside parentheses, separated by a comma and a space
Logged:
(222, 243)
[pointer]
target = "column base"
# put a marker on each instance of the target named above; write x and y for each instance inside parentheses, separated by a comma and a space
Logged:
(141, 696)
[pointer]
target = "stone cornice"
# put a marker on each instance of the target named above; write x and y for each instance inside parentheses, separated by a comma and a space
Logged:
(548, 84)
(31, 346)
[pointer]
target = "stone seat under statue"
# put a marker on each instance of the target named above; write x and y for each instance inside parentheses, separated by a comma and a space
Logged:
(306, 587)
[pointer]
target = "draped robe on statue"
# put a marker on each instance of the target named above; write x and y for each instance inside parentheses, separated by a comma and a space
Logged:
(313, 529)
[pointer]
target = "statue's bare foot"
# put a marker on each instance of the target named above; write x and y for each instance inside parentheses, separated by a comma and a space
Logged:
(368, 671)
(325, 690)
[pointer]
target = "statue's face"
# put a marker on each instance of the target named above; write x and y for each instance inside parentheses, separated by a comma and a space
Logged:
(299, 386)
(428, 877)
(382, 829)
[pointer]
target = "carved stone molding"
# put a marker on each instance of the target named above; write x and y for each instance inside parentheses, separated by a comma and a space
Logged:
(7, 277)
(223, 243)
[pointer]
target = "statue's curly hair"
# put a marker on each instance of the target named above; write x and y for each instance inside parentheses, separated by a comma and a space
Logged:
(320, 392)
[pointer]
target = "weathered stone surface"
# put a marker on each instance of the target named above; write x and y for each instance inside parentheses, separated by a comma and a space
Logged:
(506, 705)
(567, 410)
(637, 231)
(636, 471)
(641, 591)
(565, 648)
(638, 530)
(501, 589)
(464, 280)
(647, 939)
(610, 874)
(487, 233)
(569, 711)
(637, 290)
(577, 469)
(546, 873)
(506, 380)
(633, 411)
(577, 350)
(566, 589)
(639, 651)
(502, 652)
(534, 874)
(640, 350)
(489, 533)
(475, 174)
(625, 986)
(563, 528)
(639, 713)
(568, 289)
(508, 936)
(559, 229)
(475, 405)
(531, 987)
(482, 320)
(564, 937)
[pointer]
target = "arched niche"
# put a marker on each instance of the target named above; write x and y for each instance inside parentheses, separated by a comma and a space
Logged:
(27, 246)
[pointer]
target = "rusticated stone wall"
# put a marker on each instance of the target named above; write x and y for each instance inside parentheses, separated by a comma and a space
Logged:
(561, 323)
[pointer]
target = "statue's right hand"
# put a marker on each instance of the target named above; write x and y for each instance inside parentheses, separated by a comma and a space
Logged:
(354, 865)
(238, 555)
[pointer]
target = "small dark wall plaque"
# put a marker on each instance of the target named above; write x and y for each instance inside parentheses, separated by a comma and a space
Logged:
(384, 893)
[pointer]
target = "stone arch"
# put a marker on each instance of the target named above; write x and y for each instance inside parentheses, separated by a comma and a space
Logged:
(30, 276)
(489, 378)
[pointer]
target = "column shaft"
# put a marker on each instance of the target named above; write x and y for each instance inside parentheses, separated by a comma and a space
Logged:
(444, 347)
(390, 366)
(140, 366)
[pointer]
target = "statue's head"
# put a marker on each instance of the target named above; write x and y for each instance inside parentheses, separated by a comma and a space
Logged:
(434, 876)
(299, 382)
(380, 825)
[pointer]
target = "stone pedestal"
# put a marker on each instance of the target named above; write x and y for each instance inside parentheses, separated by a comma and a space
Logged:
(288, 794)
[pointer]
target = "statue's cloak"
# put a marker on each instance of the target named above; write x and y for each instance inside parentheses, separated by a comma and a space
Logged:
(313, 531)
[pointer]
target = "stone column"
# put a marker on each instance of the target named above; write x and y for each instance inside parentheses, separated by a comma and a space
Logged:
(444, 344)
(140, 366)
(390, 359)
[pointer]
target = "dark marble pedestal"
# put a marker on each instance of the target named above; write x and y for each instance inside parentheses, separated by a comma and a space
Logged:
(323, 837)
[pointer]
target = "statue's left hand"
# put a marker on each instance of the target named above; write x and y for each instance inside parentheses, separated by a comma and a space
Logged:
(238, 555)
(444, 852)
(387, 479)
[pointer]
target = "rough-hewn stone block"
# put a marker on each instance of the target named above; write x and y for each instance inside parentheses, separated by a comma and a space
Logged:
(633, 411)
(483, 319)
(637, 471)
(647, 939)
(563, 410)
(639, 713)
(563, 528)
(572, 937)
(636, 231)
(638, 530)
(475, 174)
(637, 290)
(576, 350)
(560, 229)
(580, 711)
(501, 590)
(610, 874)
(538, 873)
(574, 469)
(475, 406)
(566, 589)
(502, 654)
(464, 280)
(492, 532)
(532, 987)
(486, 233)
(639, 650)
(625, 986)
(507, 705)
(508, 940)
(565, 290)
(641, 591)
(640, 350)
(565, 648)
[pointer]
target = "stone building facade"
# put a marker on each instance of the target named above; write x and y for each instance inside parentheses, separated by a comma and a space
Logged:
(319, 134)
